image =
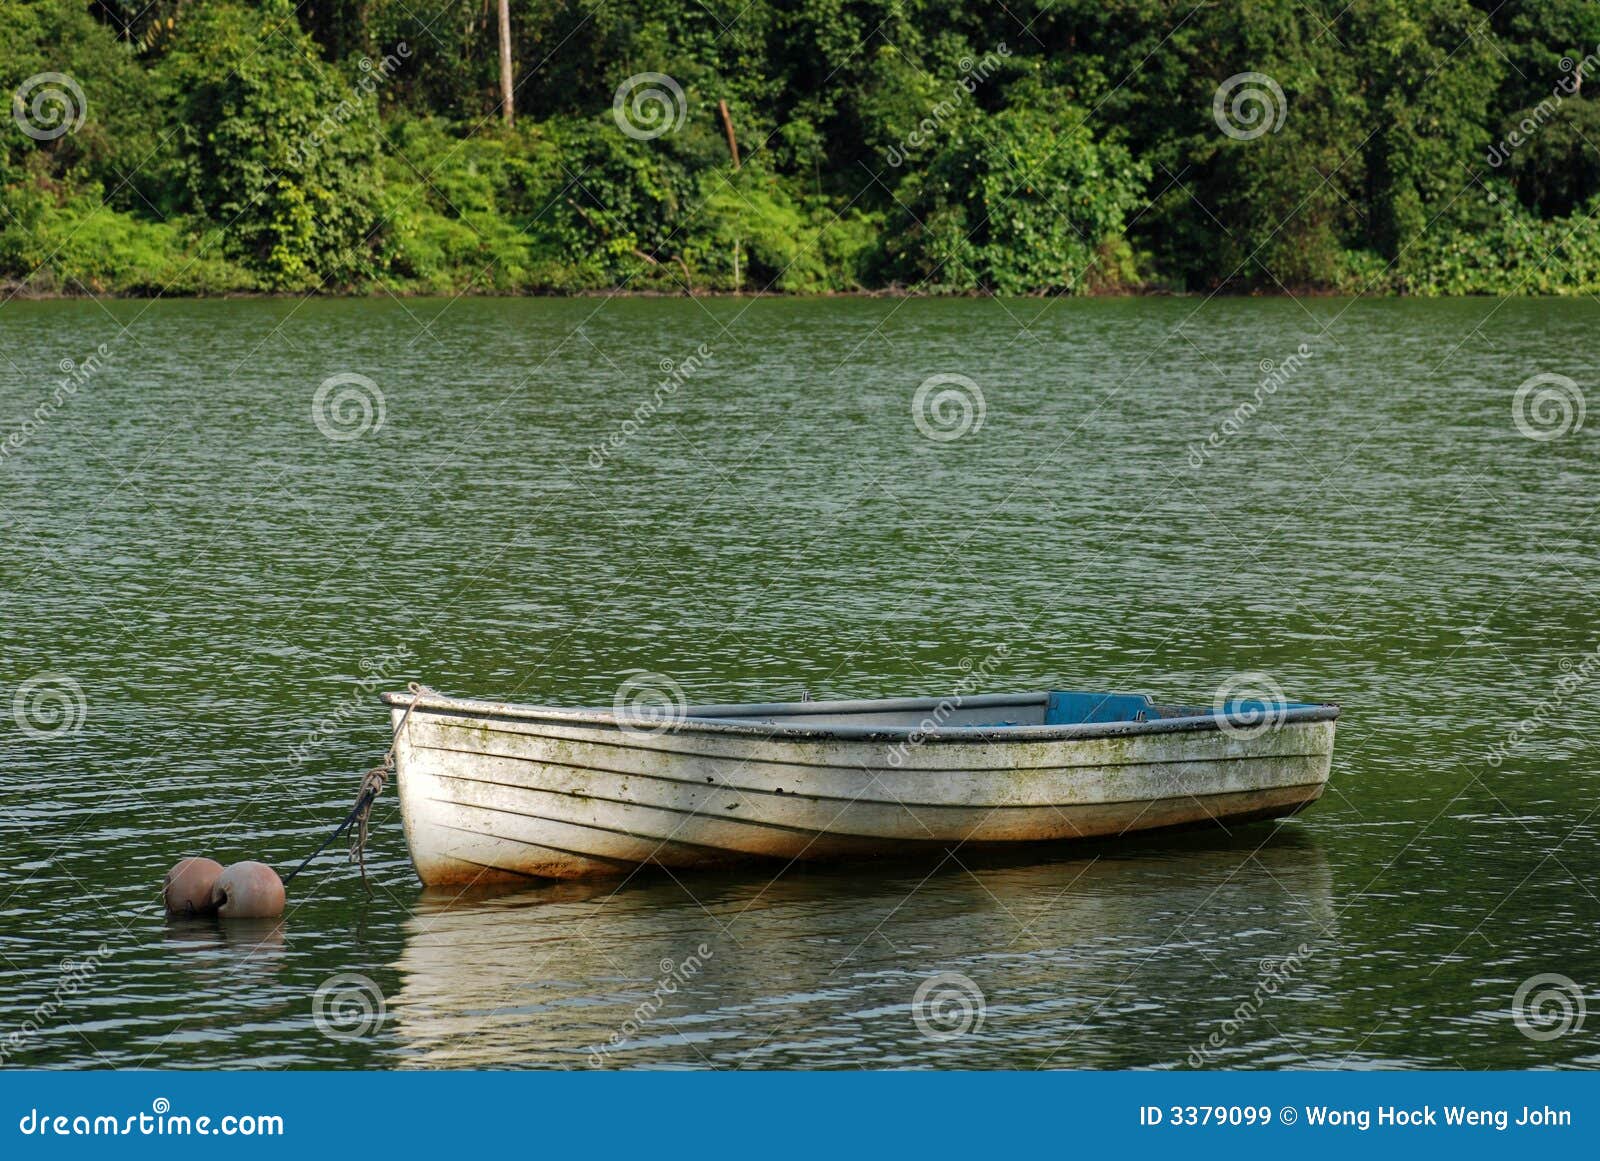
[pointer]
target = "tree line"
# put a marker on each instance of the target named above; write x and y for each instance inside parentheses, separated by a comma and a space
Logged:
(937, 146)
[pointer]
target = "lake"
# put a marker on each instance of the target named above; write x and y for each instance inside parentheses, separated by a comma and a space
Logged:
(228, 524)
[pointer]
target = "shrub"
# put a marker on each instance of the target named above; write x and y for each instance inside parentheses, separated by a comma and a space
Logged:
(275, 146)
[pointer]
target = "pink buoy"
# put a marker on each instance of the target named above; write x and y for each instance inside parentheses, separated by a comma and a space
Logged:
(188, 887)
(248, 890)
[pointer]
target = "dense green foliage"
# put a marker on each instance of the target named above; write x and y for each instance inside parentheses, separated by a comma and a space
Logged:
(1041, 146)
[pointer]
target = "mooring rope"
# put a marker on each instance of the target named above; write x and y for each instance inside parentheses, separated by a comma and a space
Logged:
(362, 804)
(372, 783)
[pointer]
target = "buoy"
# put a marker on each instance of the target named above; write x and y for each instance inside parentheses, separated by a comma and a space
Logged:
(188, 887)
(248, 890)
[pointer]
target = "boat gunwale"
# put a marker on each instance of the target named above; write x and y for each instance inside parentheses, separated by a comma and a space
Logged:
(716, 719)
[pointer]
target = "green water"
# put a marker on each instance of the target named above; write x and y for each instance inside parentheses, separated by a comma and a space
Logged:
(211, 584)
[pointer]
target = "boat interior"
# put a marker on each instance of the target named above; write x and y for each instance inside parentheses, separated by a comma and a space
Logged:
(988, 711)
(1056, 709)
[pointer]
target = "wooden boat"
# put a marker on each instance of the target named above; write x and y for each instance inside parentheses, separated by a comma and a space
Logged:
(502, 791)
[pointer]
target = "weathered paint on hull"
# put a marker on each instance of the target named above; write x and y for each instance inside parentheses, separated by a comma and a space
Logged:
(485, 798)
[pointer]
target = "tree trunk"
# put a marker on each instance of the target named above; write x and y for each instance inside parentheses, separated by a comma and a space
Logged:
(507, 91)
(727, 125)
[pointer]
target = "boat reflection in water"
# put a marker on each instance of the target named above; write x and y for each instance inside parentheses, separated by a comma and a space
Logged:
(216, 950)
(1114, 957)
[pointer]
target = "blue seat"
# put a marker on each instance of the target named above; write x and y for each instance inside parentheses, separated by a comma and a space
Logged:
(1068, 709)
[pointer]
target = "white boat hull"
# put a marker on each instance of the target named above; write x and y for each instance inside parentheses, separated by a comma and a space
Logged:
(501, 792)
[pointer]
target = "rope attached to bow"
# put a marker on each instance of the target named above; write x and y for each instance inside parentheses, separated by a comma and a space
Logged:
(371, 786)
(372, 783)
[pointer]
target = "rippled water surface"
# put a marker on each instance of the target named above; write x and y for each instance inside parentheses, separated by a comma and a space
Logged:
(199, 588)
